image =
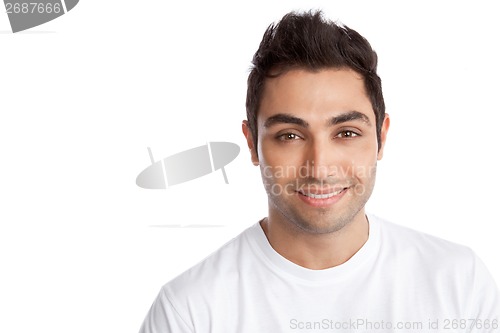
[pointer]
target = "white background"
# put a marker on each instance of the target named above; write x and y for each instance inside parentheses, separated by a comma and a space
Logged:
(83, 249)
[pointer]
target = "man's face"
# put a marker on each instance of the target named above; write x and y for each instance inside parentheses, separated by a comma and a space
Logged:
(317, 148)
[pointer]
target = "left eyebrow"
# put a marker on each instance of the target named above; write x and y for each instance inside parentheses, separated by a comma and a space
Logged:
(349, 116)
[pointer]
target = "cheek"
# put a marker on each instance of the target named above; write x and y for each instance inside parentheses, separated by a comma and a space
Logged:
(361, 163)
(283, 161)
(279, 169)
(364, 167)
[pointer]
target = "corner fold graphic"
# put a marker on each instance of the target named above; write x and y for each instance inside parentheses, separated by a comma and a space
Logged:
(26, 14)
(188, 165)
(70, 4)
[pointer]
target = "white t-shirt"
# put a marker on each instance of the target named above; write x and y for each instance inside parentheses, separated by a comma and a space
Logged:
(400, 280)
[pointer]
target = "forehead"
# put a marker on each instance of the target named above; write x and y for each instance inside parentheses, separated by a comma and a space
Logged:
(315, 94)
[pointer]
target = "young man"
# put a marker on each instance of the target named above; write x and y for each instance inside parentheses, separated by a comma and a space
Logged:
(317, 127)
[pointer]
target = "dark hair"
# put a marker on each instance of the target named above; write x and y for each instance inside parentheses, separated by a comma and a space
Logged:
(306, 40)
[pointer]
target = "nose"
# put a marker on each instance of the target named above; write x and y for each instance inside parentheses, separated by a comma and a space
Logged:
(322, 159)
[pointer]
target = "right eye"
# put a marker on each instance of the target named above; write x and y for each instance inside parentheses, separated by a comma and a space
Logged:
(288, 137)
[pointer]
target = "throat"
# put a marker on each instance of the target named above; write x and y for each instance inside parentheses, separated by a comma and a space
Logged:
(316, 251)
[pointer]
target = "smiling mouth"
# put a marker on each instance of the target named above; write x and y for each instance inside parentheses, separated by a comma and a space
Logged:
(319, 195)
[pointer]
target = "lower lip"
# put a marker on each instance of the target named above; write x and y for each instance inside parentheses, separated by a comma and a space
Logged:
(322, 202)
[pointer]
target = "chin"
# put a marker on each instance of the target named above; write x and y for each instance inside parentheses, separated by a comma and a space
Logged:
(323, 227)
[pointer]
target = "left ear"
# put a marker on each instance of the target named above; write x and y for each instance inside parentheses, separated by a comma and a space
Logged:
(383, 136)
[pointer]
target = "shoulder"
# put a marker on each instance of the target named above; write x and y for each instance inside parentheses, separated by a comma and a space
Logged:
(191, 299)
(420, 247)
(427, 262)
(218, 271)
(440, 266)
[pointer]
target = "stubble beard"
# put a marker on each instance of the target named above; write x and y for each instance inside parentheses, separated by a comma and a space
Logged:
(318, 221)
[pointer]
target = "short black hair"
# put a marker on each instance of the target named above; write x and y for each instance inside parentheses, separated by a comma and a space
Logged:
(309, 41)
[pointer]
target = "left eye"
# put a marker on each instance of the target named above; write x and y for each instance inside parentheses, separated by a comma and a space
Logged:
(347, 134)
(288, 137)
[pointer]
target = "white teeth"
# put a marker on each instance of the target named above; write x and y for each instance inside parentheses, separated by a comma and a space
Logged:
(322, 196)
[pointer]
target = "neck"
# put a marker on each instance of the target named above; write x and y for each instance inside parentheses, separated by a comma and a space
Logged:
(316, 251)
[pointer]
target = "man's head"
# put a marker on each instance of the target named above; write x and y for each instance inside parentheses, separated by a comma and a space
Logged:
(310, 42)
(316, 122)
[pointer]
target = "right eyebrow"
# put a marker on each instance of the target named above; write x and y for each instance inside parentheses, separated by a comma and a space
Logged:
(284, 118)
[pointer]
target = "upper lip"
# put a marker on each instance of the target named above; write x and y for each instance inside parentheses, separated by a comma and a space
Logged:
(320, 191)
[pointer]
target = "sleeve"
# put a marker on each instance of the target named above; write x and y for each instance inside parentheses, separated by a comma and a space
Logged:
(163, 318)
(485, 304)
